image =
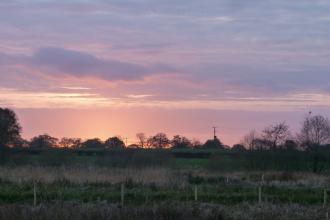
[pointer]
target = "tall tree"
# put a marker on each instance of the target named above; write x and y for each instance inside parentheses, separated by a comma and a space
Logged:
(43, 142)
(315, 131)
(160, 140)
(10, 129)
(114, 142)
(276, 134)
(142, 139)
(181, 142)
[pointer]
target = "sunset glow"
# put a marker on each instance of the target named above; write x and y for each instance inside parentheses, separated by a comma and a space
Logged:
(101, 68)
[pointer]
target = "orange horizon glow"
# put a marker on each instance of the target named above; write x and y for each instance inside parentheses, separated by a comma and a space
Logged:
(126, 123)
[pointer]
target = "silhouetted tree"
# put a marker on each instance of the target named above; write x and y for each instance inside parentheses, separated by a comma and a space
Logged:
(180, 142)
(213, 144)
(290, 145)
(315, 131)
(238, 148)
(114, 142)
(276, 134)
(196, 144)
(94, 143)
(43, 142)
(142, 139)
(261, 144)
(314, 134)
(160, 140)
(10, 129)
(70, 142)
(21, 143)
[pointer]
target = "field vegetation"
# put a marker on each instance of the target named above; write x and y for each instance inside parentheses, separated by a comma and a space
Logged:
(271, 175)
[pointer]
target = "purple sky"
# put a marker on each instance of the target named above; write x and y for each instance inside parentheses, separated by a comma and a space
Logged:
(126, 66)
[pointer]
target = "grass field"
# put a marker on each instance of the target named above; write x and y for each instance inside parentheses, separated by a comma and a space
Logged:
(151, 185)
(157, 186)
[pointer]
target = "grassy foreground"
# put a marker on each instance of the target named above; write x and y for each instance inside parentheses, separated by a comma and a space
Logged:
(164, 211)
(159, 184)
(158, 193)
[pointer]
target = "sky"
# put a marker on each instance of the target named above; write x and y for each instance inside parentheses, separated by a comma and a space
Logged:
(97, 68)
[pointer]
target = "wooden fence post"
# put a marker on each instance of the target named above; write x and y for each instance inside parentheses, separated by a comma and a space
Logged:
(122, 194)
(196, 193)
(34, 194)
(325, 198)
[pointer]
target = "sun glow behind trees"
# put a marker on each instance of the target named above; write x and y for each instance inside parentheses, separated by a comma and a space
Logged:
(314, 133)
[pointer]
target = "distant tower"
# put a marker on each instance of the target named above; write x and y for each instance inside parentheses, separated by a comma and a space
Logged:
(215, 133)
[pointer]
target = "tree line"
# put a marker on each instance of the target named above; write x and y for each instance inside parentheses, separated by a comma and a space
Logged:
(10, 136)
(314, 134)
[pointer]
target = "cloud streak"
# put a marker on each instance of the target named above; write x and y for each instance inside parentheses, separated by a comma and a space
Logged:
(59, 62)
(172, 50)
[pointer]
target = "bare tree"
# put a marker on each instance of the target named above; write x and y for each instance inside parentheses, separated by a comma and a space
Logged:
(315, 131)
(142, 139)
(160, 140)
(181, 142)
(276, 134)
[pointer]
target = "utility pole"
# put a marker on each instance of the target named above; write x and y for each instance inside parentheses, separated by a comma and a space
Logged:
(126, 141)
(215, 133)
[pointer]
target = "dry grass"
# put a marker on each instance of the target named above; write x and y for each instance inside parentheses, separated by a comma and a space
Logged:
(165, 177)
(271, 178)
(160, 176)
(268, 211)
(80, 175)
(184, 211)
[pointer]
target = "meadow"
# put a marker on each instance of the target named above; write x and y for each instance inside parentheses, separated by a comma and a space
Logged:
(161, 184)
